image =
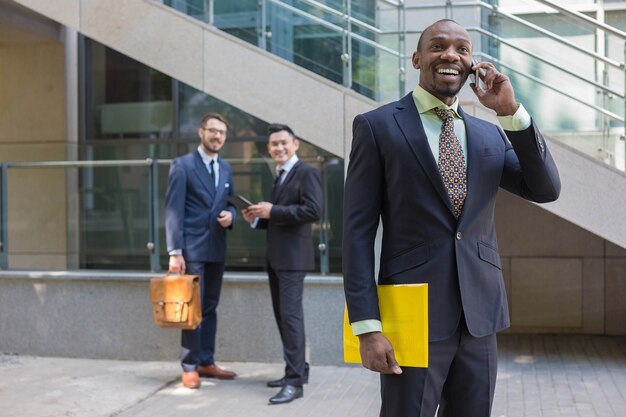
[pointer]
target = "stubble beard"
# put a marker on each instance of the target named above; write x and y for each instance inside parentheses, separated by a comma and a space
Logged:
(209, 149)
(449, 91)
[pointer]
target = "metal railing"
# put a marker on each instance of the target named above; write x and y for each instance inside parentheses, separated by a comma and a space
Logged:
(153, 244)
(340, 19)
(340, 22)
(496, 11)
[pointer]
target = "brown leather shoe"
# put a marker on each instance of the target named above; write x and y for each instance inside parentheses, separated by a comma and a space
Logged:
(214, 371)
(191, 380)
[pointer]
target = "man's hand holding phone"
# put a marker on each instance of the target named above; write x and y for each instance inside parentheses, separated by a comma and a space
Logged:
(496, 92)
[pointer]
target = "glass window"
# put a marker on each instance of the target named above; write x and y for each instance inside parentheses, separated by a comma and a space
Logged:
(115, 201)
(126, 99)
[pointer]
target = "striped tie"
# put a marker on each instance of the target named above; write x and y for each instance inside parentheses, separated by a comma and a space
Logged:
(451, 161)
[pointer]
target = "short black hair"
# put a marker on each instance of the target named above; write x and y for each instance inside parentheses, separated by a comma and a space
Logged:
(279, 127)
(419, 41)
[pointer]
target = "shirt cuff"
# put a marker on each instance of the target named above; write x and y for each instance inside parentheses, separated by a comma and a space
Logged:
(254, 223)
(175, 252)
(518, 121)
(366, 326)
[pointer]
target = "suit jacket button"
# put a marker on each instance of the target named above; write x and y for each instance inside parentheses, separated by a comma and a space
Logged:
(459, 235)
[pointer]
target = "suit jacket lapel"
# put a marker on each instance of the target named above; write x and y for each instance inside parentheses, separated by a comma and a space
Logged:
(203, 174)
(410, 124)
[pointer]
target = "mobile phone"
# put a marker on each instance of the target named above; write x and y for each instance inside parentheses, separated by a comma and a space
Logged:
(474, 74)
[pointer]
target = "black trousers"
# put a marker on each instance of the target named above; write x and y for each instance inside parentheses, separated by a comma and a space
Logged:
(198, 345)
(286, 288)
(460, 379)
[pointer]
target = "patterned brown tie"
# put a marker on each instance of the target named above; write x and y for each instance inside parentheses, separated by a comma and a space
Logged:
(451, 161)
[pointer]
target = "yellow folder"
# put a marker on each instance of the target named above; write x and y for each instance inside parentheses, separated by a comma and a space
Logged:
(404, 316)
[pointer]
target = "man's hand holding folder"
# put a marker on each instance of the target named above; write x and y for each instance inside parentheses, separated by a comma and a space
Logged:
(404, 339)
(374, 347)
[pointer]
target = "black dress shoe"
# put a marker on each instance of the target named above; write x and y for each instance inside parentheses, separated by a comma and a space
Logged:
(287, 394)
(277, 383)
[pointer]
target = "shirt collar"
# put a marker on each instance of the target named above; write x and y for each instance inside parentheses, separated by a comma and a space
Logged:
(289, 164)
(425, 102)
(206, 158)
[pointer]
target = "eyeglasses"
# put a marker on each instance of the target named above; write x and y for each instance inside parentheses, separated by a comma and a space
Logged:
(214, 131)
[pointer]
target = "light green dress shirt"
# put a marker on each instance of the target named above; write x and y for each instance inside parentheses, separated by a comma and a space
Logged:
(425, 103)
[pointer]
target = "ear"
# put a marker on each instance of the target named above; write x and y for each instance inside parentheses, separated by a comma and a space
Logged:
(296, 144)
(200, 133)
(416, 60)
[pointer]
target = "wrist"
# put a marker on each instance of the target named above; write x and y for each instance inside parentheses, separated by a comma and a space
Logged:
(508, 110)
(369, 335)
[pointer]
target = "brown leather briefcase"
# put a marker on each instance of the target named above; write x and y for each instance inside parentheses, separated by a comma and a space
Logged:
(176, 301)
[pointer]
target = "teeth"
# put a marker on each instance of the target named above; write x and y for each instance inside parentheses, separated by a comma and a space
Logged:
(448, 71)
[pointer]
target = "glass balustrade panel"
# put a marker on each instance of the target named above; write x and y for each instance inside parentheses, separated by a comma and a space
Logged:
(567, 81)
(562, 78)
(317, 35)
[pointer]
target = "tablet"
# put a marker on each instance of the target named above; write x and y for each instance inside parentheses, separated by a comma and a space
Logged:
(239, 201)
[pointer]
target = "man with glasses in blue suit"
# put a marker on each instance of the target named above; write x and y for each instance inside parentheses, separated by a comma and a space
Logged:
(197, 215)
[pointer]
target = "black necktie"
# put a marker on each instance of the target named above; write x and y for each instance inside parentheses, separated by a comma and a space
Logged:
(212, 170)
(277, 180)
(276, 184)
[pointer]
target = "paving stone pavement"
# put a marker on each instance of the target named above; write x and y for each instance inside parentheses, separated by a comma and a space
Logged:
(538, 376)
(560, 376)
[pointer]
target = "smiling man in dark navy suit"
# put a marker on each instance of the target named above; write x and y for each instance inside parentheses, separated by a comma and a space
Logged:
(288, 217)
(431, 173)
(197, 214)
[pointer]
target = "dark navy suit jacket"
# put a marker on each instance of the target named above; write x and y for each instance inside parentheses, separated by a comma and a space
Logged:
(393, 176)
(192, 205)
(297, 203)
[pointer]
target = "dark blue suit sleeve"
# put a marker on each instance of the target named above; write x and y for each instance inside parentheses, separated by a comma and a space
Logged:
(361, 213)
(175, 206)
(262, 223)
(529, 170)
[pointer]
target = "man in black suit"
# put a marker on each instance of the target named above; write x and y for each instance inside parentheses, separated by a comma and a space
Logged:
(431, 173)
(296, 203)
(197, 215)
